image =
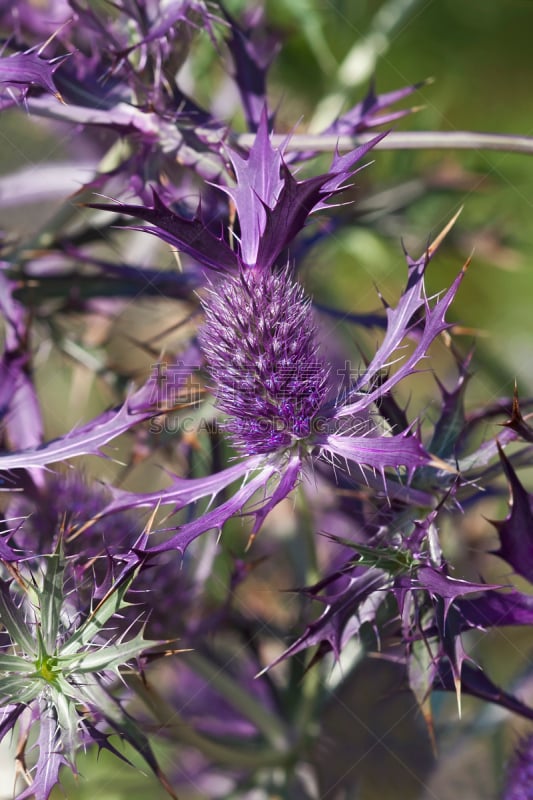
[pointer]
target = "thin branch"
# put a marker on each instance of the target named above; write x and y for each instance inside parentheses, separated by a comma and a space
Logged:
(124, 115)
(402, 140)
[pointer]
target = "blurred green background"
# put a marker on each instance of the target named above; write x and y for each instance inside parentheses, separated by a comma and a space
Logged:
(479, 55)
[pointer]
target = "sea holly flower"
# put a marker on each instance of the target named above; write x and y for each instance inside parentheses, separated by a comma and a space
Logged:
(261, 349)
(260, 345)
(262, 353)
(59, 665)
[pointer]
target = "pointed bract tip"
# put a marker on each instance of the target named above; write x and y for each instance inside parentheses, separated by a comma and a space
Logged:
(438, 463)
(457, 684)
(444, 232)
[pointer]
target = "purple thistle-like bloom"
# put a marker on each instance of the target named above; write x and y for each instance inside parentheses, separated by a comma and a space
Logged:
(519, 785)
(261, 350)
(260, 343)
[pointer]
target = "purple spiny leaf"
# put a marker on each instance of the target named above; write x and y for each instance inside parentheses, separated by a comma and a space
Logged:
(345, 612)
(298, 200)
(147, 401)
(28, 69)
(218, 516)
(192, 236)
(288, 480)
(496, 609)
(365, 115)
(167, 17)
(377, 452)
(182, 491)
(474, 682)
(516, 531)
(8, 716)
(272, 205)
(259, 186)
(517, 422)
(252, 52)
(50, 758)
(441, 587)
(400, 324)
(452, 420)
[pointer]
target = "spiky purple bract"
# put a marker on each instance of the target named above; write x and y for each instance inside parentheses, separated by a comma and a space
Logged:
(259, 340)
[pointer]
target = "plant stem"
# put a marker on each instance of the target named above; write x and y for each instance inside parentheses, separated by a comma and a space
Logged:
(401, 140)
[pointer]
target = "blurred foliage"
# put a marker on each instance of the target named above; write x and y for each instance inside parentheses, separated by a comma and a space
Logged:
(479, 56)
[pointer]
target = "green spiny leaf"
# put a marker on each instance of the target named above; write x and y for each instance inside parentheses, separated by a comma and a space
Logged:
(51, 599)
(391, 559)
(12, 619)
(17, 689)
(107, 657)
(67, 718)
(16, 664)
(111, 603)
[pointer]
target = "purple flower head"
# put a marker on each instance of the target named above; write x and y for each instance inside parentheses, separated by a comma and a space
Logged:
(67, 503)
(298, 421)
(260, 344)
(519, 784)
(261, 350)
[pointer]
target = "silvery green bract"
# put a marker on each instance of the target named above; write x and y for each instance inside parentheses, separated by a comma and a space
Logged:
(59, 670)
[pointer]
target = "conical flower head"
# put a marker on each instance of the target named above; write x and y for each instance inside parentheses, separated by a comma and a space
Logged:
(259, 340)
